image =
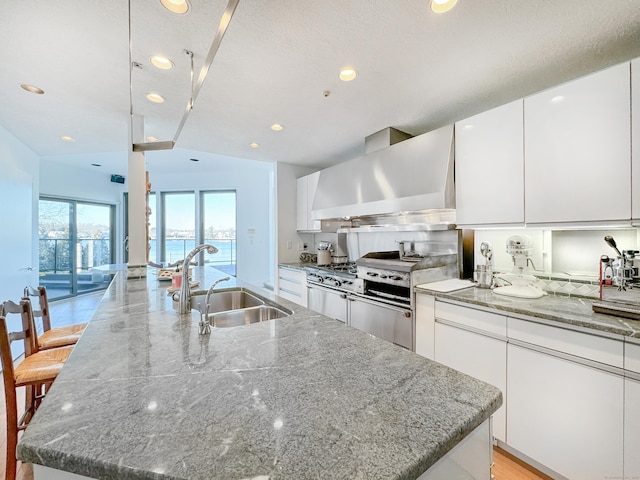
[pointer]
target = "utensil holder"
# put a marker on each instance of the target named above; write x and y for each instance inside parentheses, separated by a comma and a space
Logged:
(324, 257)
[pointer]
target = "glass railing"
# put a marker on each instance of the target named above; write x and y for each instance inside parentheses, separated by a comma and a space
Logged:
(178, 248)
(55, 254)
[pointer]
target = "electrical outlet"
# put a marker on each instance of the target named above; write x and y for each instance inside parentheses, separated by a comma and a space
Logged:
(289, 244)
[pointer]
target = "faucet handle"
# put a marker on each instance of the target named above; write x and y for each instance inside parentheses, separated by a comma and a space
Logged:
(204, 327)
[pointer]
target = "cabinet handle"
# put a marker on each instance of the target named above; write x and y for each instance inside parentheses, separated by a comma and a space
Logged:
(343, 296)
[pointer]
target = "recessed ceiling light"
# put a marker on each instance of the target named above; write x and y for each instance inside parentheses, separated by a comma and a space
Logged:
(32, 89)
(194, 159)
(176, 6)
(155, 98)
(347, 74)
(151, 139)
(96, 165)
(468, 127)
(276, 127)
(254, 145)
(441, 6)
(163, 63)
(557, 99)
(66, 138)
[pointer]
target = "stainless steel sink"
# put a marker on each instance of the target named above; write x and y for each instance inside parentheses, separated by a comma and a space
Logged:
(224, 301)
(246, 316)
(235, 307)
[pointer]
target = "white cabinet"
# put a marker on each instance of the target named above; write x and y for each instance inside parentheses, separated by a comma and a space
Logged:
(635, 139)
(632, 411)
(292, 285)
(473, 342)
(306, 191)
(577, 150)
(425, 325)
(490, 167)
(632, 428)
(565, 415)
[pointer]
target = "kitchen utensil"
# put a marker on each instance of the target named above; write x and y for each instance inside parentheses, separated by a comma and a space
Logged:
(612, 243)
(325, 246)
(483, 275)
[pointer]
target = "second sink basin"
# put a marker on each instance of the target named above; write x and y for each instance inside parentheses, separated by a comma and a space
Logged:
(246, 316)
(223, 301)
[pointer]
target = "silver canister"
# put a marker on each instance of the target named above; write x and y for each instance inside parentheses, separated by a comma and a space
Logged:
(483, 275)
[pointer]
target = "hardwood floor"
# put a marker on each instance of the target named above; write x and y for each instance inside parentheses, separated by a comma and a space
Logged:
(508, 467)
(80, 309)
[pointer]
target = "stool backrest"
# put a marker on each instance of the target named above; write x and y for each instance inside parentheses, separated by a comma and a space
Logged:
(6, 357)
(43, 304)
(28, 333)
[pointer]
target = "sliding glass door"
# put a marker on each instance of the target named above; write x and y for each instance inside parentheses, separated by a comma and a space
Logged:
(218, 214)
(74, 239)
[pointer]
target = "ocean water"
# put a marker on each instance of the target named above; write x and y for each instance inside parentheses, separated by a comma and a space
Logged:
(177, 249)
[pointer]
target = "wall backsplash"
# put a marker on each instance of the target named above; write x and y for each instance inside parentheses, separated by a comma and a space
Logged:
(566, 261)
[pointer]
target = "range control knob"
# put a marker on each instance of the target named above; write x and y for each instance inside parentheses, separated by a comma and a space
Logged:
(320, 279)
(395, 277)
(336, 282)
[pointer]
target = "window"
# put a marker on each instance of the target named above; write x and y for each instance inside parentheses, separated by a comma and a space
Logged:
(74, 238)
(178, 226)
(218, 213)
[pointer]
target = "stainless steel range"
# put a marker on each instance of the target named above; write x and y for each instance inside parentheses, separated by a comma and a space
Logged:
(375, 295)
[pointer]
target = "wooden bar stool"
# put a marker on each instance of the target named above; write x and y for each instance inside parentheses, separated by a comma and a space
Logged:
(36, 373)
(52, 337)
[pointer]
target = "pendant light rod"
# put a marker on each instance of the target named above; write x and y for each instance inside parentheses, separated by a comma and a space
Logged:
(215, 45)
(195, 87)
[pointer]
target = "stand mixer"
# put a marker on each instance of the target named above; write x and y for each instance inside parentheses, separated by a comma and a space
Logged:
(521, 283)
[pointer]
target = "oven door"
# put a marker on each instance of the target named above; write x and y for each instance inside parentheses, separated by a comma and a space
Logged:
(394, 324)
(327, 301)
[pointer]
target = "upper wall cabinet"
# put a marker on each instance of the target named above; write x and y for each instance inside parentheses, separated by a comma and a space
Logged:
(489, 167)
(635, 140)
(306, 191)
(578, 150)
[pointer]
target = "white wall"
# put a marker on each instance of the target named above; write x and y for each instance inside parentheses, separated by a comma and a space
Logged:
(286, 235)
(79, 183)
(253, 182)
(19, 213)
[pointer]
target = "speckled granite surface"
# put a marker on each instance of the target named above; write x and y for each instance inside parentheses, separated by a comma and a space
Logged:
(144, 396)
(574, 311)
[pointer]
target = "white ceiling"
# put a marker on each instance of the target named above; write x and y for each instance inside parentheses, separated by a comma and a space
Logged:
(417, 70)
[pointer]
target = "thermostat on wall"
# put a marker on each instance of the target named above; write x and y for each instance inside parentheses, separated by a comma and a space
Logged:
(117, 178)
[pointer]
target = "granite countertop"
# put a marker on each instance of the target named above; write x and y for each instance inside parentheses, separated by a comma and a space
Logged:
(298, 265)
(144, 396)
(572, 311)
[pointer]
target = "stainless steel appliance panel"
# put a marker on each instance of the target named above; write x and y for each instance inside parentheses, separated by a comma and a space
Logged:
(389, 323)
(326, 301)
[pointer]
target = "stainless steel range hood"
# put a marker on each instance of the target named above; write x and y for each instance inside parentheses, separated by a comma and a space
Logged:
(412, 175)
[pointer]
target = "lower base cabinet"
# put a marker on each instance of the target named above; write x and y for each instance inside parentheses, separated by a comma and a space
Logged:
(566, 415)
(632, 429)
(476, 355)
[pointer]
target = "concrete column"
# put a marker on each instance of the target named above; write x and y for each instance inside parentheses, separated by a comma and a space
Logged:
(137, 183)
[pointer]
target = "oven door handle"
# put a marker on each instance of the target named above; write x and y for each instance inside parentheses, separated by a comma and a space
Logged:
(405, 312)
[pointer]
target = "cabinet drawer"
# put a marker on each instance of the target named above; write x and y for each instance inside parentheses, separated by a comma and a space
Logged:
(591, 347)
(297, 276)
(291, 287)
(632, 357)
(477, 319)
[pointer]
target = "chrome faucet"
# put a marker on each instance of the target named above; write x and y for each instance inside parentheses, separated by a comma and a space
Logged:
(205, 324)
(214, 285)
(184, 300)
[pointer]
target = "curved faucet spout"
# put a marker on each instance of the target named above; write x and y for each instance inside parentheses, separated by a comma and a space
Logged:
(184, 302)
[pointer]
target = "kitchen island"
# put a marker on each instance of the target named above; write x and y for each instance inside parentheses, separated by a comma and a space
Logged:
(143, 395)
